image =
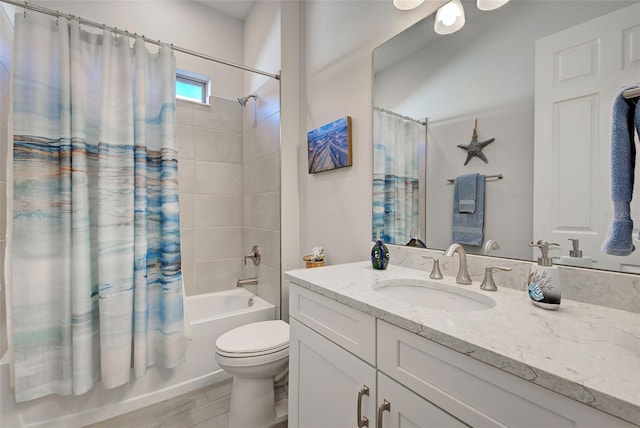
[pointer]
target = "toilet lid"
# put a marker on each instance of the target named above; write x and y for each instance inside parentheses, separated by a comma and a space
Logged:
(259, 337)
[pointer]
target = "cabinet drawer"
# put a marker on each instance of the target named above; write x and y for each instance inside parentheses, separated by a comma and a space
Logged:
(353, 330)
(477, 393)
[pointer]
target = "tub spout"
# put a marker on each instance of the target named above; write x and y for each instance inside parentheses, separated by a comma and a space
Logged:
(246, 281)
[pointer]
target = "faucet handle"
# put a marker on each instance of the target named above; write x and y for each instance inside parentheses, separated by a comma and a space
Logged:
(435, 271)
(488, 284)
(254, 255)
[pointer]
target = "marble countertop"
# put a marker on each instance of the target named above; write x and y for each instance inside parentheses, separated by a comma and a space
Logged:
(586, 352)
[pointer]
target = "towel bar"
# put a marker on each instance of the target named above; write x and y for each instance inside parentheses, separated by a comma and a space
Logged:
(497, 177)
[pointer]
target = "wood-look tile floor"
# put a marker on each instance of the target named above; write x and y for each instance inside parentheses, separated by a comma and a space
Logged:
(205, 408)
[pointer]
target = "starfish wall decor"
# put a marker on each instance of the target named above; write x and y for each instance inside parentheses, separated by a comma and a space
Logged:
(474, 148)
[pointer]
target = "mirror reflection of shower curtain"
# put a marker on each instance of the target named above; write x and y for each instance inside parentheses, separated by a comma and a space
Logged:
(96, 273)
(396, 168)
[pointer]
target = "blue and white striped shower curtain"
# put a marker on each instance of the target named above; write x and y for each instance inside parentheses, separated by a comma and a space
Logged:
(96, 268)
(396, 145)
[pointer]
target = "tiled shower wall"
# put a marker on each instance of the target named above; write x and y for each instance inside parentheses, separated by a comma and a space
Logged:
(229, 163)
(261, 184)
(6, 49)
(210, 174)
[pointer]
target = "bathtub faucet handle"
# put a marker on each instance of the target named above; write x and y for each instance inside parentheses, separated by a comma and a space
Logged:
(253, 255)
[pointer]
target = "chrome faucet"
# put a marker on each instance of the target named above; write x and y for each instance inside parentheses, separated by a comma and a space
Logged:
(490, 245)
(463, 273)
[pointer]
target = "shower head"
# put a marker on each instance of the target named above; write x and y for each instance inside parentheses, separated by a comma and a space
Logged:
(243, 100)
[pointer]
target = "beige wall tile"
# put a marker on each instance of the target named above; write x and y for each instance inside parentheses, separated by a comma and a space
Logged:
(186, 176)
(218, 178)
(217, 275)
(268, 102)
(218, 211)
(225, 115)
(189, 278)
(265, 211)
(184, 112)
(187, 245)
(265, 174)
(186, 210)
(217, 146)
(218, 243)
(186, 147)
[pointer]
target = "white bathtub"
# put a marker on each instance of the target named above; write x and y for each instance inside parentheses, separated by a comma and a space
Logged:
(210, 316)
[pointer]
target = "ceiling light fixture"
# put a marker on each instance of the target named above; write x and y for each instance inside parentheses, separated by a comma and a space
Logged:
(491, 4)
(449, 18)
(407, 4)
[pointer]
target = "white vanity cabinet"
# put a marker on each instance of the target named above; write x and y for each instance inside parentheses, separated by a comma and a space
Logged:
(336, 351)
(332, 373)
(333, 381)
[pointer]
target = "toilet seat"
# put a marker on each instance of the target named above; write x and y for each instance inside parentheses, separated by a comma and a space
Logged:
(253, 361)
(255, 340)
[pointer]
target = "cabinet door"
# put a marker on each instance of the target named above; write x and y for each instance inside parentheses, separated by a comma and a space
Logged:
(406, 409)
(324, 382)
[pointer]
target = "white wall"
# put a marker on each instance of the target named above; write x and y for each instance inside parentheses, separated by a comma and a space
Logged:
(262, 40)
(339, 37)
(186, 24)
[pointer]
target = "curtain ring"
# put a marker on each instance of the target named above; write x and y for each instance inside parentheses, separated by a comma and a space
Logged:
(25, 8)
(57, 17)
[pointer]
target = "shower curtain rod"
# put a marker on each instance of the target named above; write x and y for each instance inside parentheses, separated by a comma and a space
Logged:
(26, 6)
(400, 115)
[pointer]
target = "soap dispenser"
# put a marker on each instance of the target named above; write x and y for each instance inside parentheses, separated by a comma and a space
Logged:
(575, 256)
(544, 280)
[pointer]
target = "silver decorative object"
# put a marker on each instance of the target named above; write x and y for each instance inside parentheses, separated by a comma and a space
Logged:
(474, 148)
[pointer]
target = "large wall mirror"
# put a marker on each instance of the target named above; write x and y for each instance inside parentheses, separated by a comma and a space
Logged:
(536, 78)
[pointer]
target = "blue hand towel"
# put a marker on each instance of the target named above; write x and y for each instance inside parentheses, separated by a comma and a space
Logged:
(468, 228)
(623, 160)
(467, 193)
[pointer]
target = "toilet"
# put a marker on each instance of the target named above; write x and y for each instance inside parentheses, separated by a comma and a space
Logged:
(254, 353)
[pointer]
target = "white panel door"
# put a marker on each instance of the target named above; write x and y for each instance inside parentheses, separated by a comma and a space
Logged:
(578, 73)
(325, 381)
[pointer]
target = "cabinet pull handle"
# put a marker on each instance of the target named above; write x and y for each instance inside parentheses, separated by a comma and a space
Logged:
(385, 406)
(362, 420)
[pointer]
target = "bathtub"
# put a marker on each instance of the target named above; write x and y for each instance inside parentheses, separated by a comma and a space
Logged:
(210, 315)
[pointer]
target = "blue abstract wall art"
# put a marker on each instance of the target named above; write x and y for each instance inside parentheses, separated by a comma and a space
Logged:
(329, 147)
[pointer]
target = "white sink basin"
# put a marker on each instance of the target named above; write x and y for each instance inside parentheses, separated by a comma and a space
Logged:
(433, 294)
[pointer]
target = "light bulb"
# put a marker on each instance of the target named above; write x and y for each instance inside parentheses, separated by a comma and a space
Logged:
(491, 4)
(449, 18)
(407, 4)
(449, 14)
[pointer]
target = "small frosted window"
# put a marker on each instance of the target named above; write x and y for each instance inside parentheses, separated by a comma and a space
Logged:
(189, 87)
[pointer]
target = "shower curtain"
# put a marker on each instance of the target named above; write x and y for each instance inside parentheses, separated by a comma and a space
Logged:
(396, 145)
(96, 268)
